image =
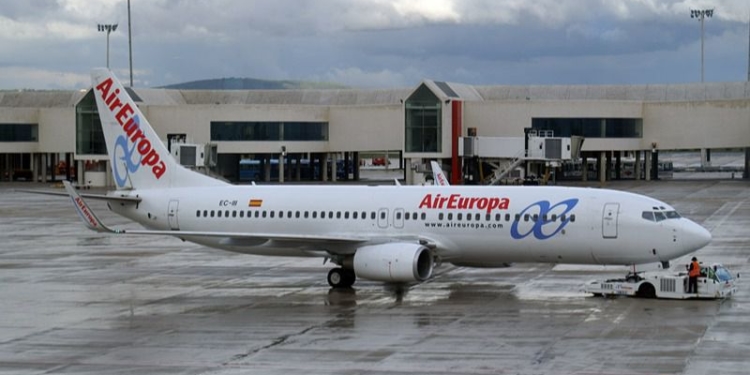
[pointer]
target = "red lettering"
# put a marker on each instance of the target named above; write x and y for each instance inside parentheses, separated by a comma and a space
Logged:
(158, 170)
(104, 87)
(151, 158)
(426, 202)
(144, 146)
(124, 114)
(458, 202)
(138, 134)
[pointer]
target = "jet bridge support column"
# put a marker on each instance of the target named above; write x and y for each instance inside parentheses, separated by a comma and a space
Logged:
(602, 167)
(746, 173)
(647, 164)
(637, 166)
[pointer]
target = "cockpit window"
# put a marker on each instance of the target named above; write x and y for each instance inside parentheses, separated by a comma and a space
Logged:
(660, 215)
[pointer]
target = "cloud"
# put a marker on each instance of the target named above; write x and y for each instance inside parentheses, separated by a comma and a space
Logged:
(373, 43)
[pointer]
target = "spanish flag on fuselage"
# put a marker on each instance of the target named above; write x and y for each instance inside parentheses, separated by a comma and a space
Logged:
(255, 203)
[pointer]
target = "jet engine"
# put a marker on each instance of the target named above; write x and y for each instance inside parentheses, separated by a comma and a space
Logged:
(394, 262)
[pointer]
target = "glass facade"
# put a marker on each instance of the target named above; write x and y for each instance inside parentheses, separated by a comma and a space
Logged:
(423, 121)
(89, 135)
(268, 131)
(591, 127)
(19, 132)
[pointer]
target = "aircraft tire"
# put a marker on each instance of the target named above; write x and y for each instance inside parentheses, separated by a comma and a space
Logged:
(341, 278)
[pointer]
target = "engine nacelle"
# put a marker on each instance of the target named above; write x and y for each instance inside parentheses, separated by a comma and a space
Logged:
(396, 262)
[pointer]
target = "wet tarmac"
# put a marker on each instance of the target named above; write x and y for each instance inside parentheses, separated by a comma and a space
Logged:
(77, 302)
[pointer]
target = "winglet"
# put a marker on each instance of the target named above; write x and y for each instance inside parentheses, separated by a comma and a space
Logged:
(84, 212)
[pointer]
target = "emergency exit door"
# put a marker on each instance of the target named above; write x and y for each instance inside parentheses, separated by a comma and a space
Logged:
(609, 220)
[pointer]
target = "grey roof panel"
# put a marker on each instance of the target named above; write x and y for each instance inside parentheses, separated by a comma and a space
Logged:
(39, 99)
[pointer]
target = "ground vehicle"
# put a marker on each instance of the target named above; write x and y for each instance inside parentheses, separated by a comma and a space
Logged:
(715, 282)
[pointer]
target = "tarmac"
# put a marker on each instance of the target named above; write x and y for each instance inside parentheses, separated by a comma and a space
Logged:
(77, 302)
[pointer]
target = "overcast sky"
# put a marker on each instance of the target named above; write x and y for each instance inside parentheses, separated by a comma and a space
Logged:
(48, 44)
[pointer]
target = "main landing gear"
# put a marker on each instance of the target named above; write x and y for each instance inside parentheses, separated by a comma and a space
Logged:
(341, 278)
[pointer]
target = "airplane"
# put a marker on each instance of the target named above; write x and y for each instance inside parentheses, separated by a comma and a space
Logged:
(389, 234)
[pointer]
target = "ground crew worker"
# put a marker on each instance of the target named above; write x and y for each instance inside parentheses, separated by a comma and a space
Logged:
(694, 270)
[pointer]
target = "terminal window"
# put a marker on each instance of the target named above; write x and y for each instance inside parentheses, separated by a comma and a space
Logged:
(19, 132)
(591, 127)
(268, 131)
(423, 125)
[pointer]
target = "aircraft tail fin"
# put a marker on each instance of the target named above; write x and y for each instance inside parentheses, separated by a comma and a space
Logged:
(438, 175)
(138, 158)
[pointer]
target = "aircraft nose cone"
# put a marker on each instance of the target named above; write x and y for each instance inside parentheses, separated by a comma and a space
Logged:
(696, 237)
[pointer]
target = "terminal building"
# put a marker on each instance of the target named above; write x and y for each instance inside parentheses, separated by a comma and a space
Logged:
(289, 135)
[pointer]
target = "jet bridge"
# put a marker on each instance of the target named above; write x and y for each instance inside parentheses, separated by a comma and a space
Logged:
(511, 159)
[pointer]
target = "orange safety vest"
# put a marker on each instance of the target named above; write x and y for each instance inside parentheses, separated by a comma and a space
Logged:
(695, 269)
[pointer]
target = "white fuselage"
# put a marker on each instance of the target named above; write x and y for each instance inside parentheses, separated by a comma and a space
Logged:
(474, 226)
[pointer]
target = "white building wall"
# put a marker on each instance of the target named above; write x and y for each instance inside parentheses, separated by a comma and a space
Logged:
(693, 125)
(366, 128)
(57, 130)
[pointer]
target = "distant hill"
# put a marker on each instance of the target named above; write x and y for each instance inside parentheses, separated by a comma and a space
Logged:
(250, 84)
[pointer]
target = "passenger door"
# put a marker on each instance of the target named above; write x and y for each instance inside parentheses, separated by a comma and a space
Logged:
(609, 220)
(172, 214)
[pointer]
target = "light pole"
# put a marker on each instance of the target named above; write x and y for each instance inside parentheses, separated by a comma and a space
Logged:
(700, 14)
(108, 28)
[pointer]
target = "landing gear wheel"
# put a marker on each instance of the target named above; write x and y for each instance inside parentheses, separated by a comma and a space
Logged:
(341, 278)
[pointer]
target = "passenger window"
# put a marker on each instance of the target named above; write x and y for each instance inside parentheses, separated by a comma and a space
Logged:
(249, 214)
(398, 215)
(507, 217)
(459, 216)
(212, 213)
(242, 213)
(440, 216)
(554, 217)
(354, 215)
(346, 215)
(562, 217)
(526, 217)
(307, 214)
(205, 213)
(424, 215)
(226, 213)
(271, 214)
(372, 215)
(198, 213)
(264, 214)
(296, 214)
(315, 214)
(518, 217)
(382, 215)
(281, 214)
(218, 213)
(330, 214)
(488, 217)
(498, 217)
(544, 218)
(535, 218)
(450, 216)
(573, 218)
(478, 217)
(468, 217)
(289, 214)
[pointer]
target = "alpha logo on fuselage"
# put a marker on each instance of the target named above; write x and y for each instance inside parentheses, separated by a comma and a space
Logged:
(543, 227)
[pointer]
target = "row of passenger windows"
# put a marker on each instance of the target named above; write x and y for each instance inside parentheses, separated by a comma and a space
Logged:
(306, 214)
(507, 217)
(659, 215)
(373, 215)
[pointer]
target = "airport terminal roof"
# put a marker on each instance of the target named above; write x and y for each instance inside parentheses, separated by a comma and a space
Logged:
(444, 90)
